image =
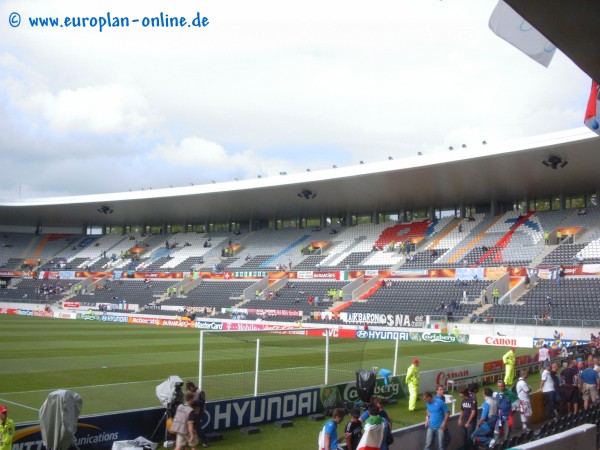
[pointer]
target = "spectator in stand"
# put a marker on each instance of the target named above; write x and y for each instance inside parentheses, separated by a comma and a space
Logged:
(569, 387)
(523, 391)
(378, 402)
(543, 355)
(328, 435)
(353, 430)
(590, 382)
(435, 421)
(505, 398)
(548, 389)
(440, 393)
(377, 431)
(467, 418)
(489, 416)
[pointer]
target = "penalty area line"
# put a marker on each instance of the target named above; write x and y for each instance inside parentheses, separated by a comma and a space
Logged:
(19, 404)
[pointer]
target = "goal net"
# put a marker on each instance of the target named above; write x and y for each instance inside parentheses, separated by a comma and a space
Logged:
(242, 363)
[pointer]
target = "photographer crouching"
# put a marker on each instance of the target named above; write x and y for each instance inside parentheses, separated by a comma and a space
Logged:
(198, 405)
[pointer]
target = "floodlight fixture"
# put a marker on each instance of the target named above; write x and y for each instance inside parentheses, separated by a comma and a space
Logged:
(554, 162)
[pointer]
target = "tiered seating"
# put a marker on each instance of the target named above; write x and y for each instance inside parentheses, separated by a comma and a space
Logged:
(29, 290)
(419, 298)
(254, 263)
(187, 251)
(424, 260)
(212, 294)
(359, 238)
(463, 229)
(353, 260)
(380, 260)
(295, 296)
(276, 247)
(90, 249)
(470, 237)
(141, 292)
(562, 254)
(591, 252)
(52, 244)
(124, 245)
(574, 300)
(12, 249)
(551, 220)
(311, 262)
(403, 232)
(590, 219)
(12, 264)
(511, 240)
(397, 233)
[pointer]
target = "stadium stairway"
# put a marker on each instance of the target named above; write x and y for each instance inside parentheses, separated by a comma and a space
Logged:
(539, 258)
(479, 311)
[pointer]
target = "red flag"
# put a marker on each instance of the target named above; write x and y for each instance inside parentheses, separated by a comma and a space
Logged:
(592, 113)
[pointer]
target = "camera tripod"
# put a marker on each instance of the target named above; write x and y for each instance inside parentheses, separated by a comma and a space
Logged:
(164, 418)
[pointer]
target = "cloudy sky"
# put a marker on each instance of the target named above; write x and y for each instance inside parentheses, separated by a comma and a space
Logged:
(266, 86)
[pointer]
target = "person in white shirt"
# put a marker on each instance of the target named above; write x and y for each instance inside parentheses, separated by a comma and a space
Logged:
(543, 355)
(523, 391)
(548, 388)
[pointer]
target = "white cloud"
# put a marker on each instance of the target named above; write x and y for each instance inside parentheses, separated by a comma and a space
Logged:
(268, 86)
(204, 154)
(95, 109)
(193, 151)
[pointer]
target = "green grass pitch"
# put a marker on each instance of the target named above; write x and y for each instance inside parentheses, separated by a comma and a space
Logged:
(117, 367)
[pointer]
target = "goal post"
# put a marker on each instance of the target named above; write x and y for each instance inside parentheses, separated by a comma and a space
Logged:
(249, 363)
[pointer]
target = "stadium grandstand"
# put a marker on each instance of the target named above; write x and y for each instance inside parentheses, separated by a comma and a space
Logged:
(505, 236)
(426, 238)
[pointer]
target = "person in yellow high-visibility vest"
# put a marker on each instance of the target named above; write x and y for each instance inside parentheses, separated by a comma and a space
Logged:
(412, 381)
(509, 360)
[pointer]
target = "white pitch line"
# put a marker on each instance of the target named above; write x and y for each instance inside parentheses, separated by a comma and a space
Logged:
(84, 387)
(423, 358)
(19, 404)
(145, 381)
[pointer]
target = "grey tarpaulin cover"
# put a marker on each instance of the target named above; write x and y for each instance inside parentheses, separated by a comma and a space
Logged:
(58, 419)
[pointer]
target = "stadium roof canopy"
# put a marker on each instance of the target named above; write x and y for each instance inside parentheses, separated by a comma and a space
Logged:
(571, 26)
(471, 176)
